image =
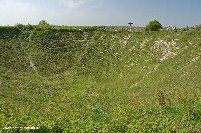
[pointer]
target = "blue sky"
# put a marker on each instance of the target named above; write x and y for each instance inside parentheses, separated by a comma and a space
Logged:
(180, 13)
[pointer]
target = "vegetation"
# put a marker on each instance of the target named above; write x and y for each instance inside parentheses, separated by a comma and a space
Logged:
(198, 26)
(43, 22)
(154, 26)
(64, 79)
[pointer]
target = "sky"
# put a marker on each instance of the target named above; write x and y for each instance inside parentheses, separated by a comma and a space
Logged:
(180, 13)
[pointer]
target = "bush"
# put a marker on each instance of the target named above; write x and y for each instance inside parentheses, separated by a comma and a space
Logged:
(154, 26)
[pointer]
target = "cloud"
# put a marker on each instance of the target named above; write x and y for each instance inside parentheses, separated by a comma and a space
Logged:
(74, 3)
(16, 1)
(22, 11)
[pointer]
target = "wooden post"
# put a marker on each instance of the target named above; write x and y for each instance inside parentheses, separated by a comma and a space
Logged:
(130, 25)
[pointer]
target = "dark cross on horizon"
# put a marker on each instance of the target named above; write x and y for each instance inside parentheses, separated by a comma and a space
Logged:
(130, 25)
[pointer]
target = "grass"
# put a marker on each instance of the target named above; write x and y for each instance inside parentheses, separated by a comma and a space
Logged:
(101, 81)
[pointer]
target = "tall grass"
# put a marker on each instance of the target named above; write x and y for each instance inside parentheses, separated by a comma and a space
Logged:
(100, 81)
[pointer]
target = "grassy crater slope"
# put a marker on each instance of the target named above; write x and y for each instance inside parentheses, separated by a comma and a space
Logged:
(65, 80)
